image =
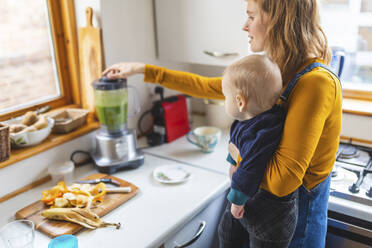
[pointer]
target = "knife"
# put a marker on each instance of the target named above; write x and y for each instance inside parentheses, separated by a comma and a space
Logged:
(101, 180)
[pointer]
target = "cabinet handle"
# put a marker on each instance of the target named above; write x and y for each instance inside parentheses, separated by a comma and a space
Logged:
(195, 238)
(219, 54)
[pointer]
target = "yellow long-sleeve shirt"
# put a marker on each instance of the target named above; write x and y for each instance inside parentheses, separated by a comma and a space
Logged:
(307, 151)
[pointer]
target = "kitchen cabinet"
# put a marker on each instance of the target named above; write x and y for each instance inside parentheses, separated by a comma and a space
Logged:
(201, 231)
(202, 32)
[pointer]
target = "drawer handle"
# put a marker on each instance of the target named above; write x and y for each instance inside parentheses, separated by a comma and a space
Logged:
(219, 54)
(195, 238)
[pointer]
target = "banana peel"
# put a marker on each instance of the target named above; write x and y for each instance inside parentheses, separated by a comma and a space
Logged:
(80, 216)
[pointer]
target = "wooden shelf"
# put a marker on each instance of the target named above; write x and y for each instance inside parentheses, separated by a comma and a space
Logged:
(53, 140)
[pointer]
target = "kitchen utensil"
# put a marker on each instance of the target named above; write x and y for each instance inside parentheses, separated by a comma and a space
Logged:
(116, 145)
(215, 114)
(119, 190)
(64, 241)
(170, 117)
(171, 174)
(25, 139)
(69, 119)
(55, 228)
(62, 172)
(4, 142)
(338, 59)
(91, 59)
(206, 138)
(101, 180)
(18, 234)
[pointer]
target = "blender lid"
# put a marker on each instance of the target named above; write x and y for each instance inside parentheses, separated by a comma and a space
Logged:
(105, 83)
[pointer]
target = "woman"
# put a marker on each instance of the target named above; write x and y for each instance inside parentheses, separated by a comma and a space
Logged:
(289, 32)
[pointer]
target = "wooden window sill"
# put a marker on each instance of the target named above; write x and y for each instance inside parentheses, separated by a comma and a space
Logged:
(357, 107)
(53, 140)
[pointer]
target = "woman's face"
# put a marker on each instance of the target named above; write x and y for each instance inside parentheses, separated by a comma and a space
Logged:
(255, 25)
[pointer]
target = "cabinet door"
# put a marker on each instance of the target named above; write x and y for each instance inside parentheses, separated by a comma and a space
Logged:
(186, 29)
(205, 223)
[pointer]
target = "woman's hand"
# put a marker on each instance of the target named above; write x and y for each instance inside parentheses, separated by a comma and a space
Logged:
(237, 211)
(123, 70)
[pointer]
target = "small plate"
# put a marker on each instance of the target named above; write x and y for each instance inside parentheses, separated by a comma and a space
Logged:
(171, 174)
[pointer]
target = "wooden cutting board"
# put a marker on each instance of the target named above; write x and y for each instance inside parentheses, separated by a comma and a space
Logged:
(91, 60)
(54, 228)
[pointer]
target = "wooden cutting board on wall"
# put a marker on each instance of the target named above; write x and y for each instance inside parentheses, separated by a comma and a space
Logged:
(91, 59)
(54, 228)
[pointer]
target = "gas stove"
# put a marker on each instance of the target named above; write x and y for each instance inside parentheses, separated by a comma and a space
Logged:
(350, 201)
(351, 176)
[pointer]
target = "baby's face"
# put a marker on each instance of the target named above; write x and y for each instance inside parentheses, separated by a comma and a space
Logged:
(230, 93)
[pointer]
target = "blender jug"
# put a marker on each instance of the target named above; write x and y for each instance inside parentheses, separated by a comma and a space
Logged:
(115, 144)
(111, 97)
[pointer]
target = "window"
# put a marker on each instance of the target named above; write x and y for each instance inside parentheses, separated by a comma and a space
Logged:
(38, 55)
(348, 25)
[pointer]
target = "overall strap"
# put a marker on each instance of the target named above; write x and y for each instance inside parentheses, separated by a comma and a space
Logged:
(292, 83)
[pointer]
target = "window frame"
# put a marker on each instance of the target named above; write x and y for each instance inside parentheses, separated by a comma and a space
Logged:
(64, 35)
(357, 94)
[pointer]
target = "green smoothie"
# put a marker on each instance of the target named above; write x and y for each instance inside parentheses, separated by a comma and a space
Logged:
(112, 107)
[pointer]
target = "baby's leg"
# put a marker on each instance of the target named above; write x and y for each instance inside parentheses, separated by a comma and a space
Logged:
(231, 233)
(270, 220)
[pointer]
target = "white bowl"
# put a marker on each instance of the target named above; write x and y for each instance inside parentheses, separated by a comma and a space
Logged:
(24, 139)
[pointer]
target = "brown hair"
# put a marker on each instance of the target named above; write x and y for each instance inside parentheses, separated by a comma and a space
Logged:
(293, 34)
(257, 79)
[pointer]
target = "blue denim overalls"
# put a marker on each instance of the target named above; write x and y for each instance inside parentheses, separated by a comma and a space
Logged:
(311, 226)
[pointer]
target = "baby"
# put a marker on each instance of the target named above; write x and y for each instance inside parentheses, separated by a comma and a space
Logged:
(252, 87)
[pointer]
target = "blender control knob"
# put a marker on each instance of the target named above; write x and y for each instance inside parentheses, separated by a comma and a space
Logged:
(354, 188)
(369, 192)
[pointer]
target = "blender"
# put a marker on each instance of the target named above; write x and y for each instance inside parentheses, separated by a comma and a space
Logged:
(116, 144)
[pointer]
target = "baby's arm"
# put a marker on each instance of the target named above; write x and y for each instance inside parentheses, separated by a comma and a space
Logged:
(232, 169)
(234, 153)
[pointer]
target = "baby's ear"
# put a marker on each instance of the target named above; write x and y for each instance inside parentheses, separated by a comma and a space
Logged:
(241, 102)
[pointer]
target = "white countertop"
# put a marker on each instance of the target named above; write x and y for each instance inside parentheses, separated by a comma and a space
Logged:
(181, 150)
(157, 212)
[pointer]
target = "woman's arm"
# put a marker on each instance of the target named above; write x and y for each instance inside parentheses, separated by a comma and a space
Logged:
(188, 83)
(310, 135)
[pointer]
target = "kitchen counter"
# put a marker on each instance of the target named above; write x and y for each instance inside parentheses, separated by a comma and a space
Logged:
(181, 150)
(158, 211)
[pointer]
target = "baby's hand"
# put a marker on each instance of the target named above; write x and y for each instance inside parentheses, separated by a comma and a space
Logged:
(237, 211)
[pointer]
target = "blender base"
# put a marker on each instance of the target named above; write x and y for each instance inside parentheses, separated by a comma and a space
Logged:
(126, 165)
(116, 152)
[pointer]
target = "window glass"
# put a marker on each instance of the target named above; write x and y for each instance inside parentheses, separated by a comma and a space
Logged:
(27, 65)
(348, 26)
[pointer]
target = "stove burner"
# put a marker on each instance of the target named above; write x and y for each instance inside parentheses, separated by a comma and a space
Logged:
(336, 174)
(348, 151)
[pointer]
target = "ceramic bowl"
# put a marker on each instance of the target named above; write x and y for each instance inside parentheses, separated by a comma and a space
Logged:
(25, 139)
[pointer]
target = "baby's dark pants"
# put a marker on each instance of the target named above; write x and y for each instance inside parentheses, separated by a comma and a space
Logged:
(268, 222)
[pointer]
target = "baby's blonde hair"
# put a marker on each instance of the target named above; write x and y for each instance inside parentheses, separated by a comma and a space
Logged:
(257, 79)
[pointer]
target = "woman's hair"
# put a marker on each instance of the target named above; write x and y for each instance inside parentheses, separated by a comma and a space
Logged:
(293, 34)
(258, 79)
